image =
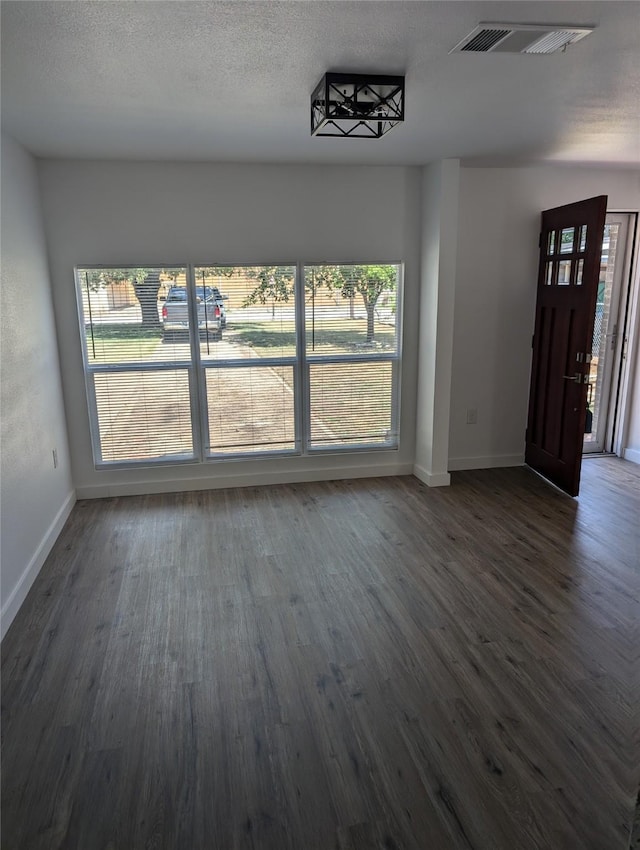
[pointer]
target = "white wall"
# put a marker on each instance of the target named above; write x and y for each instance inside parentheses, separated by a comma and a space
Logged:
(439, 234)
(499, 222)
(478, 357)
(632, 449)
(36, 498)
(159, 213)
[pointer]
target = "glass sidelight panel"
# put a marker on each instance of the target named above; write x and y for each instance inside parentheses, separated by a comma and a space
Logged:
(604, 339)
(548, 276)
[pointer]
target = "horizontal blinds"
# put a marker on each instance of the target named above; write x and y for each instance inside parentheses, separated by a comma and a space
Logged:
(258, 304)
(350, 310)
(351, 344)
(351, 404)
(140, 377)
(250, 409)
(249, 402)
(144, 415)
(122, 312)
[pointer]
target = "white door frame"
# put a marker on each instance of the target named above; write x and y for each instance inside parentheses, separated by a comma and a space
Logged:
(628, 355)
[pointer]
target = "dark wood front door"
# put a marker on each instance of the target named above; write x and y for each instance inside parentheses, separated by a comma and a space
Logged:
(570, 248)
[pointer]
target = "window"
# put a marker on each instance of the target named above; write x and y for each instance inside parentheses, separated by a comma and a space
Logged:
(203, 363)
(139, 388)
(351, 347)
(248, 376)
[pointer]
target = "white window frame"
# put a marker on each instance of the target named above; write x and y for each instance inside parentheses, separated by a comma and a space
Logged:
(306, 361)
(196, 367)
(92, 369)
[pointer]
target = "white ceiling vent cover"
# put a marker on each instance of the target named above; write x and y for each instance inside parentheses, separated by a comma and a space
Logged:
(520, 38)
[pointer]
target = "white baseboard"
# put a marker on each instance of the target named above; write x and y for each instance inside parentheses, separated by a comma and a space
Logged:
(247, 479)
(432, 479)
(631, 454)
(19, 592)
(457, 464)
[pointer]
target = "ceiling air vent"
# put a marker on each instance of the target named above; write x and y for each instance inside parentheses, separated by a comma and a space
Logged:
(520, 38)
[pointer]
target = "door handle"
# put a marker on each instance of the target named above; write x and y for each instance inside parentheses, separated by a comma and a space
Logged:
(577, 378)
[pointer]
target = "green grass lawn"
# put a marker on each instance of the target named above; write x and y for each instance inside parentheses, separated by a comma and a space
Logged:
(277, 339)
(117, 343)
(120, 342)
(268, 339)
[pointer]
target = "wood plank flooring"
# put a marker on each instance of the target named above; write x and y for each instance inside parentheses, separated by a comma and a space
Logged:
(332, 666)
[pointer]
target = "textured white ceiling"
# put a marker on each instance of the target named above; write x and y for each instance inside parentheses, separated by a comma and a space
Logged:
(230, 81)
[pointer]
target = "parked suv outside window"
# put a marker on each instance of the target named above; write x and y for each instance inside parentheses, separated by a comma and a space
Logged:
(212, 316)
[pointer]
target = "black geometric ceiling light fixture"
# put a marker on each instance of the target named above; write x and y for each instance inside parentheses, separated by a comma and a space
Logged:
(357, 106)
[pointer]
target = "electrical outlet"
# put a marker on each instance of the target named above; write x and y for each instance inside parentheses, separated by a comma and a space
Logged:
(55, 458)
(472, 416)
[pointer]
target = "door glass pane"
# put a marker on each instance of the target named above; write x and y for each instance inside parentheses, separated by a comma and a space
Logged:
(566, 240)
(253, 311)
(144, 415)
(583, 237)
(579, 272)
(551, 241)
(250, 409)
(351, 403)
(548, 279)
(564, 272)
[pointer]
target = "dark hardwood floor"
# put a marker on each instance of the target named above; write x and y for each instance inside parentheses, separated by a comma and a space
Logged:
(332, 666)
